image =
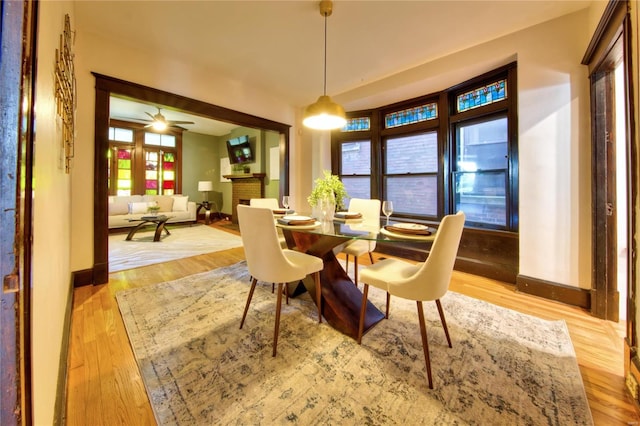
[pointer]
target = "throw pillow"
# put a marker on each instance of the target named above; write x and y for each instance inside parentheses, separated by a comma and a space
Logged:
(180, 203)
(165, 202)
(118, 208)
(137, 208)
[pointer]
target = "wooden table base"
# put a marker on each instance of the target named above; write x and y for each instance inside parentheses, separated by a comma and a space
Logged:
(341, 299)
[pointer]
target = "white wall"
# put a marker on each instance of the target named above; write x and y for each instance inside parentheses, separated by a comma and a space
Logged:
(51, 225)
(554, 135)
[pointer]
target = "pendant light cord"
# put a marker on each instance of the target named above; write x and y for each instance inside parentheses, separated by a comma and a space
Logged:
(325, 55)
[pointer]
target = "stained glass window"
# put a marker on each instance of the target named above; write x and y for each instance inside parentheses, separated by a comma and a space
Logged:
(481, 96)
(168, 173)
(357, 124)
(411, 115)
(123, 172)
(153, 171)
(151, 181)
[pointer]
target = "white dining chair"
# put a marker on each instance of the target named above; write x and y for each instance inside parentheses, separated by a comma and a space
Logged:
(269, 203)
(370, 210)
(268, 261)
(424, 281)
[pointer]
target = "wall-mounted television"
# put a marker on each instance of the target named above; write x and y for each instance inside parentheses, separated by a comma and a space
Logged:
(239, 150)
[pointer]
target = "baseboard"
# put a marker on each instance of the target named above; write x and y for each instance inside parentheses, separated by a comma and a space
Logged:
(82, 278)
(553, 291)
(60, 410)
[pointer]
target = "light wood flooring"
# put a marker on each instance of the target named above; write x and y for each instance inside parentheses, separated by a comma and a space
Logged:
(105, 387)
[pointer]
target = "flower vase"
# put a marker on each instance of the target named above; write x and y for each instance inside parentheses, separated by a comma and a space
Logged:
(328, 208)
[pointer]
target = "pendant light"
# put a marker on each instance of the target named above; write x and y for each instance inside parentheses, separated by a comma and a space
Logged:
(324, 114)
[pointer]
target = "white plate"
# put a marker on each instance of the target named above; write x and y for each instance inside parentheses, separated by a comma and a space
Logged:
(410, 226)
(296, 217)
(311, 226)
(345, 214)
(402, 236)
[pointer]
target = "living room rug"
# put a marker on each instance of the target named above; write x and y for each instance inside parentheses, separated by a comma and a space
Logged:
(199, 368)
(184, 241)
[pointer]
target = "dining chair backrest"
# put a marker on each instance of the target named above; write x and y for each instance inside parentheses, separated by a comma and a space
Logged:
(270, 203)
(265, 259)
(369, 208)
(431, 281)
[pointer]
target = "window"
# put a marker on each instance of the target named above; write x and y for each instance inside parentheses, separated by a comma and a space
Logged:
(483, 169)
(440, 153)
(410, 173)
(142, 162)
(356, 168)
(480, 170)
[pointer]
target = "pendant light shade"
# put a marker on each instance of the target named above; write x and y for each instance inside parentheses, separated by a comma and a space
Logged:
(324, 114)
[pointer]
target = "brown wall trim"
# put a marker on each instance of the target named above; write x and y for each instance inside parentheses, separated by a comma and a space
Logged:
(60, 410)
(612, 16)
(553, 291)
(486, 253)
(82, 278)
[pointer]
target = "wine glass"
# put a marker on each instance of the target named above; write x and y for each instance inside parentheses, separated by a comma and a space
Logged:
(387, 209)
(285, 202)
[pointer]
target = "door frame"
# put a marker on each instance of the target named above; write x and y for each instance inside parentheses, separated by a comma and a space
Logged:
(610, 44)
(18, 30)
(105, 86)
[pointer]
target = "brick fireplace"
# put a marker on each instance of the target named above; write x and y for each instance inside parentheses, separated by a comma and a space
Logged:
(245, 187)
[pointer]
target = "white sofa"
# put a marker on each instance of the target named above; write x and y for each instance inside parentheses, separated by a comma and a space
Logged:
(122, 208)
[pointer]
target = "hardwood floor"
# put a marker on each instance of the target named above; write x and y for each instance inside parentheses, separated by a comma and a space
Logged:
(105, 387)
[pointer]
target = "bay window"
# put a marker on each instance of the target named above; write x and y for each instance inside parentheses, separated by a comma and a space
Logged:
(438, 154)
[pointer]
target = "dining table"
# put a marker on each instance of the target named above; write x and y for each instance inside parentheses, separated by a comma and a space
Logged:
(341, 298)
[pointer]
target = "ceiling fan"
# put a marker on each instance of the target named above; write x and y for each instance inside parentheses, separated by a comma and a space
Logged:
(160, 123)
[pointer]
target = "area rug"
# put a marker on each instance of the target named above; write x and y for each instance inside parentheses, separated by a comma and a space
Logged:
(184, 241)
(199, 368)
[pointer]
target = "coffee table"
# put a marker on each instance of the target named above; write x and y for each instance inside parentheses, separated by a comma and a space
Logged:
(159, 221)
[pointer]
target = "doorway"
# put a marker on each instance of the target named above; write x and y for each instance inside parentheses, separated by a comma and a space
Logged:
(105, 87)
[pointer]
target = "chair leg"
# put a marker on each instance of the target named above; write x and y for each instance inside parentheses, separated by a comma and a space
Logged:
(363, 311)
(386, 315)
(444, 322)
(371, 258)
(425, 342)
(277, 327)
(355, 270)
(246, 308)
(316, 278)
(273, 287)
(286, 291)
(346, 268)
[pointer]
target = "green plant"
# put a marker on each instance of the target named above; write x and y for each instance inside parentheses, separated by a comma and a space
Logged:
(328, 186)
(153, 208)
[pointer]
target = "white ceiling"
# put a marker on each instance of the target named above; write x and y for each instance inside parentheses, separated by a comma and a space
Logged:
(278, 45)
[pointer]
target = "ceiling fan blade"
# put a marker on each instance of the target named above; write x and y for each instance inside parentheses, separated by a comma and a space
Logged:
(133, 119)
(180, 122)
(152, 117)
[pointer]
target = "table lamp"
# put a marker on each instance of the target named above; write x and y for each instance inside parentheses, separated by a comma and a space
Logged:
(205, 186)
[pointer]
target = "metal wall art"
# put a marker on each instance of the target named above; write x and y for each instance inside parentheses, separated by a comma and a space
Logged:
(65, 92)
